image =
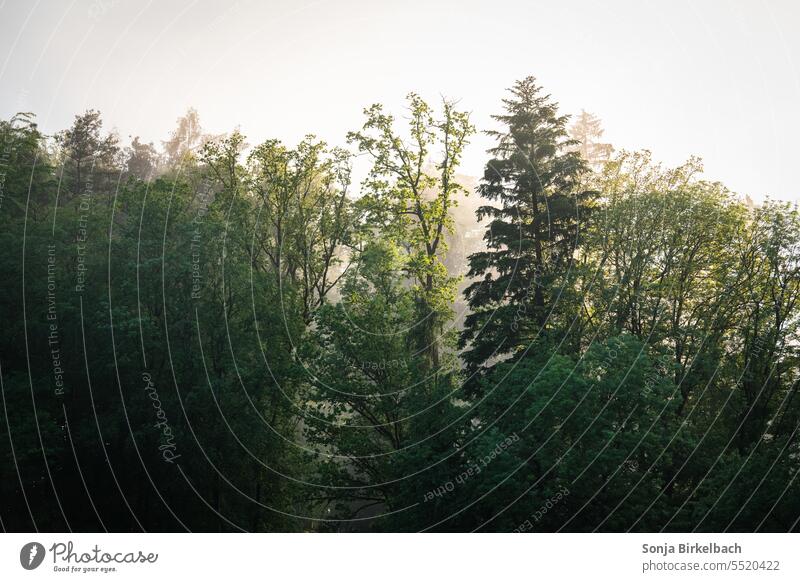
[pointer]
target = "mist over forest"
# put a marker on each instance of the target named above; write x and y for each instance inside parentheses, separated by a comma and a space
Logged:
(212, 334)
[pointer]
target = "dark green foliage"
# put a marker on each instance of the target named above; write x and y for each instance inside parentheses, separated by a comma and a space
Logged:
(536, 208)
(205, 340)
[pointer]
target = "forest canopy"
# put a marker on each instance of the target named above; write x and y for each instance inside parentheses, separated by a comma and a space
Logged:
(213, 335)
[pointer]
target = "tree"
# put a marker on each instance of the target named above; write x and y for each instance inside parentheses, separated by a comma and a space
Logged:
(186, 138)
(765, 343)
(587, 131)
(668, 271)
(306, 217)
(142, 160)
(410, 200)
(381, 425)
(26, 166)
(86, 152)
(536, 223)
(568, 443)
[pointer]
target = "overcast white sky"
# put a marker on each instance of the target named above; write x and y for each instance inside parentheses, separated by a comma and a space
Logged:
(713, 78)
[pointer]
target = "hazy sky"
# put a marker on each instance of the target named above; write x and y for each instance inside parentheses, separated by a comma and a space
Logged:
(714, 78)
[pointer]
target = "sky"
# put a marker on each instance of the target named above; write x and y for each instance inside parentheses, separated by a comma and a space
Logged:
(718, 79)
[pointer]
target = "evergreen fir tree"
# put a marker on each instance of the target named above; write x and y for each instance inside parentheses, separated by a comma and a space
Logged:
(537, 212)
